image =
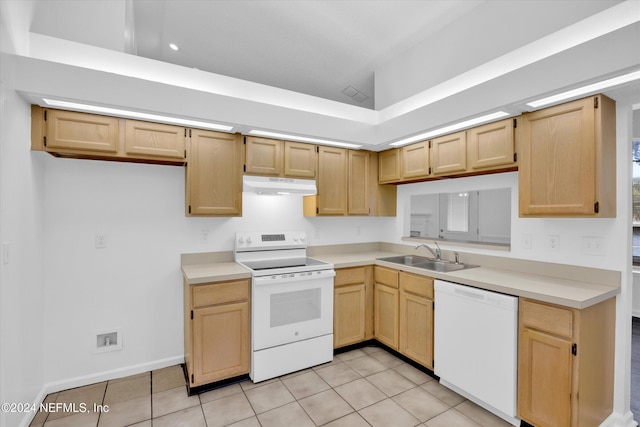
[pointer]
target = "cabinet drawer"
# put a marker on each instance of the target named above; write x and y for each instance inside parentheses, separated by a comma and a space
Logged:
(348, 276)
(220, 293)
(386, 276)
(548, 318)
(417, 285)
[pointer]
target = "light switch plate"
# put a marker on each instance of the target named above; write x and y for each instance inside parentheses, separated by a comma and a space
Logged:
(592, 245)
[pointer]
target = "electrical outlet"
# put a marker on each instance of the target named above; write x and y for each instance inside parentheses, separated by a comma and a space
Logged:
(592, 245)
(553, 243)
(101, 241)
(109, 340)
(527, 240)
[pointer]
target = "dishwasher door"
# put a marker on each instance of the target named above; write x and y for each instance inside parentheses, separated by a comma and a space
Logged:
(476, 346)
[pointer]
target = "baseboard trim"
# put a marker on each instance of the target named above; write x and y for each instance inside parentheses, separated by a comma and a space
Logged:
(618, 420)
(113, 374)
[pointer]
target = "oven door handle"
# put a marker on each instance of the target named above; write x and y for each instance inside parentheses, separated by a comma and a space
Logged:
(293, 277)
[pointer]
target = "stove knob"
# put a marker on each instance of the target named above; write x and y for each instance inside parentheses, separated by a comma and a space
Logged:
(241, 240)
(248, 240)
(302, 237)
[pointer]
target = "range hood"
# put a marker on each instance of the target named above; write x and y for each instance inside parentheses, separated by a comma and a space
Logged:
(280, 186)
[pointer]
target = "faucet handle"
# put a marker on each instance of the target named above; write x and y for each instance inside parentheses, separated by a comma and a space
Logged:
(457, 257)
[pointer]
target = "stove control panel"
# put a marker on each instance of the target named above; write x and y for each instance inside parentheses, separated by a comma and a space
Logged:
(269, 241)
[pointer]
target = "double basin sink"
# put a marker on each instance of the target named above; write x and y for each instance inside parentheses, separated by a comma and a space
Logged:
(441, 265)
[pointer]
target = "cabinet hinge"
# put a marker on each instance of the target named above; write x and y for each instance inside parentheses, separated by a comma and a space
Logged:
(433, 305)
(45, 141)
(317, 149)
(429, 170)
(185, 132)
(515, 123)
(574, 349)
(185, 153)
(244, 168)
(595, 102)
(515, 157)
(317, 211)
(45, 115)
(191, 314)
(245, 140)
(189, 208)
(189, 133)
(192, 378)
(429, 144)
(596, 207)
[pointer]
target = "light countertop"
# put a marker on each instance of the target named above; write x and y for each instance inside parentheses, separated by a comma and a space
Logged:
(570, 293)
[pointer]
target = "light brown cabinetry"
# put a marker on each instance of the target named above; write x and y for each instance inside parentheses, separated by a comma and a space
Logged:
(353, 306)
(214, 174)
(491, 146)
(91, 136)
(449, 154)
(348, 185)
(416, 318)
(389, 166)
(565, 363)
(567, 161)
(270, 157)
(415, 161)
(386, 306)
(217, 331)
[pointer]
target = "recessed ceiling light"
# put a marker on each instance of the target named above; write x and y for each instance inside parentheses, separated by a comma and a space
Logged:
(174, 46)
(302, 138)
(451, 128)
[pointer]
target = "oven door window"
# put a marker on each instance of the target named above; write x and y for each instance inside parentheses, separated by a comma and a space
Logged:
(294, 307)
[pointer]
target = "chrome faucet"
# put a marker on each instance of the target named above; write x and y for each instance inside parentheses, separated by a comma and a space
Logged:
(437, 253)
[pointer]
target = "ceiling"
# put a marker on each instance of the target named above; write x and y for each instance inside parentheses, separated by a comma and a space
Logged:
(321, 47)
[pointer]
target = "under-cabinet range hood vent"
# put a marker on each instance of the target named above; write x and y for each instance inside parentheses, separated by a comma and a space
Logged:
(280, 186)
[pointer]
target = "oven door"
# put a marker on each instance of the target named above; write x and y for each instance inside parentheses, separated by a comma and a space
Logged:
(291, 307)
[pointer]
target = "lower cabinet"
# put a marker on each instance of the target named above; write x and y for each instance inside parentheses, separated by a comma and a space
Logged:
(565, 363)
(353, 306)
(416, 318)
(217, 331)
(386, 306)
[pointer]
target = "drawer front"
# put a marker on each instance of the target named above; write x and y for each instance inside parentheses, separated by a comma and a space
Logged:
(547, 318)
(386, 276)
(349, 276)
(220, 293)
(416, 284)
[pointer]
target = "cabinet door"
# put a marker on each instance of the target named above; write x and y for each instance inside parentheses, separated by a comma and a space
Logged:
(221, 337)
(348, 315)
(449, 154)
(154, 140)
(389, 166)
(300, 160)
(557, 162)
(73, 131)
(491, 145)
(358, 190)
(264, 156)
(332, 181)
(415, 160)
(214, 174)
(544, 379)
(416, 328)
(386, 315)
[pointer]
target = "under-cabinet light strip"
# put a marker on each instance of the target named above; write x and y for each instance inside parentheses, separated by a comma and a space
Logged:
(136, 115)
(592, 88)
(451, 128)
(302, 138)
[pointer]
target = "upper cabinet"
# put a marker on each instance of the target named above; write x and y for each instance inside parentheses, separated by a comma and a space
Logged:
(92, 136)
(389, 166)
(348, 185)
(449, 154)
(214, 174)
(415, 161)
(567, 161)
(270, 157)
(491, 145)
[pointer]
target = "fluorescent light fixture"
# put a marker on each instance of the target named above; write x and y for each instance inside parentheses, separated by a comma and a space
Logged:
(135, 115)
(451, 128)
(174, 46)
(592, 88)
(302, 138)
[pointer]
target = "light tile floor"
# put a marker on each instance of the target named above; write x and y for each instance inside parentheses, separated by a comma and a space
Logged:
(364, 387)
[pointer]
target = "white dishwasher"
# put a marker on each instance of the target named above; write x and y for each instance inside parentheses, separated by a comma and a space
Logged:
(476, 346)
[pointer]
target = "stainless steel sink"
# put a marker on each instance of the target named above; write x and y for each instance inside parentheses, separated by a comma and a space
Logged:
(427, 263)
